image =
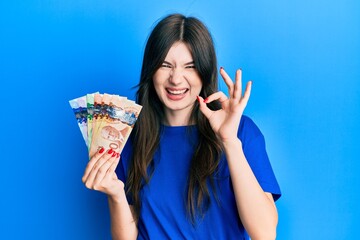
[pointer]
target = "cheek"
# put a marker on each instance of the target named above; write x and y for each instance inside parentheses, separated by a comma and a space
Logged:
(198, 85)
(159, 80)
(157, 87)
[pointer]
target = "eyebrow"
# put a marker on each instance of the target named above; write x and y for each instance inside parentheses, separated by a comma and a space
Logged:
(188, 63)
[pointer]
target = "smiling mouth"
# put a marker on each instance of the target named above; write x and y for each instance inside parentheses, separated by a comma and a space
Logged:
(177, 92)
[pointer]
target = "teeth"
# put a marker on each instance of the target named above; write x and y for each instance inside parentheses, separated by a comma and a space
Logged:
(177, 92)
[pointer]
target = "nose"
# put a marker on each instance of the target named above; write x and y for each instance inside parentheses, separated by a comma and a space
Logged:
(176, 76)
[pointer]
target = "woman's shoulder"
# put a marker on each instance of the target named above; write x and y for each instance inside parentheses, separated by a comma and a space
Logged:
(248, 130)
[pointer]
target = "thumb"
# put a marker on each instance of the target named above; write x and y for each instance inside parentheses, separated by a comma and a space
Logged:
(204, 108)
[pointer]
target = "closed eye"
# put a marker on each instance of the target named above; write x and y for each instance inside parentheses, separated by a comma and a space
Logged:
(165, 65)
(190, 66)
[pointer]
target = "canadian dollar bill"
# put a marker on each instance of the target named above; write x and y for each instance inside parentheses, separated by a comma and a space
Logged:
(116, 124)
(101, 102)
(90, 115)
(105, 120)
(79, 107)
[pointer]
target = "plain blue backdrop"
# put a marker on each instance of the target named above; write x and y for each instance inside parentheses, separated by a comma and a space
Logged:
(303, 58)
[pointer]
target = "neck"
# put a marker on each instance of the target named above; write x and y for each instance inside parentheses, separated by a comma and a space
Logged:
(177, 118)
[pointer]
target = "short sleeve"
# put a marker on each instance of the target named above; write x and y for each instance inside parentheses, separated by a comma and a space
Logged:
(255, 152)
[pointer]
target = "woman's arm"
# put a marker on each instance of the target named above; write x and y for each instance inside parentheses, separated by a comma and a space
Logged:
(100, 175)
(123, 224)
(256, 208)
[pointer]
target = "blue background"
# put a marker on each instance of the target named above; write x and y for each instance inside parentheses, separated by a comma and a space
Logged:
(303, 58)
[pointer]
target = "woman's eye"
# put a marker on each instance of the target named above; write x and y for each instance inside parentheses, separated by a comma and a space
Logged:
(166, 65)
(190, 66)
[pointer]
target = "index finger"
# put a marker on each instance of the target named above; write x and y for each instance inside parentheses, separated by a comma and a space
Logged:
(92, 162)
(204, 108)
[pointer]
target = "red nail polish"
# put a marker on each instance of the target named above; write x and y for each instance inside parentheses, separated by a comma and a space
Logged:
(114, 154)
(101, 150)
(198, 98)
(110, 151)
(118, 155)
(206, 99)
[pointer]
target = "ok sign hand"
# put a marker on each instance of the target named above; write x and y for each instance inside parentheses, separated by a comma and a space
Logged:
(225, 122)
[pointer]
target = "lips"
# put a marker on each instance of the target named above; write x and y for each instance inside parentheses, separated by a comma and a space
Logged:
(176, 94)
(173, 91)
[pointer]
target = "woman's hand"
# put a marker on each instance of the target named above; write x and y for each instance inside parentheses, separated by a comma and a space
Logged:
(225, 122)
(100, 173)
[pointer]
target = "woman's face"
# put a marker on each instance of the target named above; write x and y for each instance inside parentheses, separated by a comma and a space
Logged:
(177, 82)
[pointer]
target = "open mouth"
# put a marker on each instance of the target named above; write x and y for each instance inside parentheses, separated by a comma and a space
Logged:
(177, 91)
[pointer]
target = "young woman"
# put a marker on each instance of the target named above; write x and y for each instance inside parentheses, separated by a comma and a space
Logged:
(195, 166)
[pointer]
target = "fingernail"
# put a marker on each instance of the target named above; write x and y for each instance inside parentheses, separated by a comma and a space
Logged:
(114, 154)
(198, 98)
(221, 68)
(206, 99)
(110, 151)
(101, 150)
(118, 155)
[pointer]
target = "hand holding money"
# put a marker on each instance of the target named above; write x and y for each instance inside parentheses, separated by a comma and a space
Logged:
(105, 120)
(100, 173)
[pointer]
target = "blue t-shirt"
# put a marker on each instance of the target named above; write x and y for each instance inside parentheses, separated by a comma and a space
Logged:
(164, 214)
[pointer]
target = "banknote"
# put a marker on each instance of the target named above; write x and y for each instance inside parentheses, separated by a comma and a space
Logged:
(97, 111)
(80, 110)
(105, 120)
(116, 126)
(90, 114)
(101, 103)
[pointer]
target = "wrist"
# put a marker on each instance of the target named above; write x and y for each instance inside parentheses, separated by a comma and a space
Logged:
(231, 142)
(231, 145)
(118, 197)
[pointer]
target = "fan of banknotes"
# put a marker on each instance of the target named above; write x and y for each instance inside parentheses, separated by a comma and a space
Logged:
(105, 120)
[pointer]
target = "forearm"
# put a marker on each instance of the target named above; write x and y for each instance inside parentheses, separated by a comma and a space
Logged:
(123, 224)
(257, 211)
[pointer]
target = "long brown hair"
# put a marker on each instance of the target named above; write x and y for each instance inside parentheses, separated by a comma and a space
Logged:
(146, 133)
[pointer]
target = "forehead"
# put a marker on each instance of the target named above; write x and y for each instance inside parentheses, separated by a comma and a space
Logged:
(180, 53)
